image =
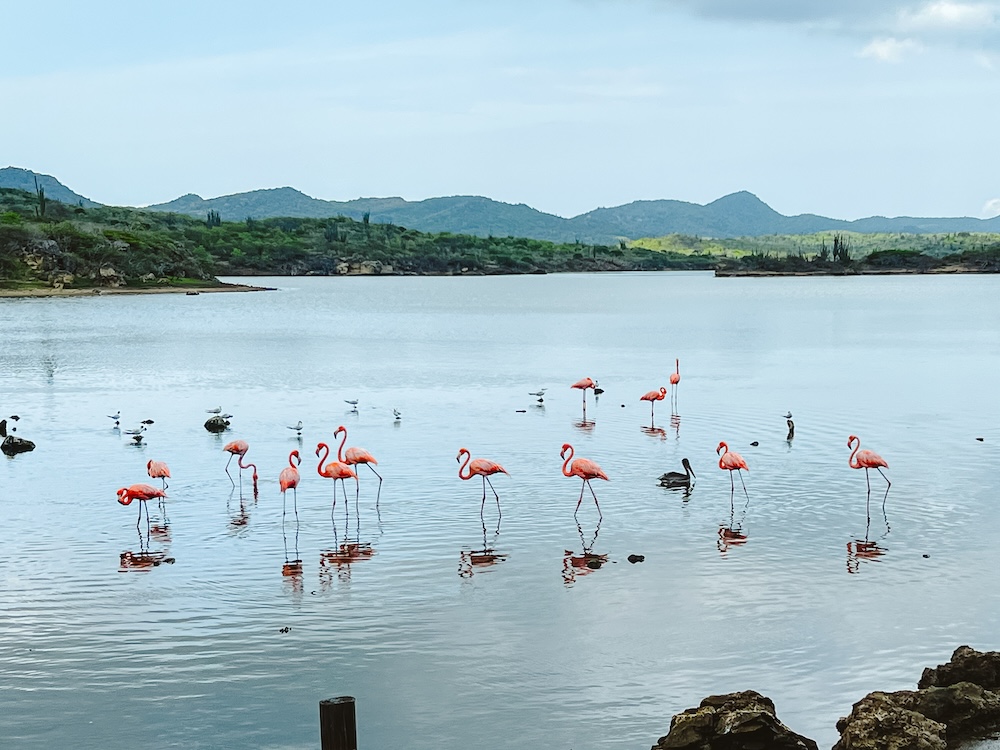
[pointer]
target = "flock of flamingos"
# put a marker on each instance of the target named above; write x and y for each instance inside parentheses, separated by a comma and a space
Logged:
(349, 459)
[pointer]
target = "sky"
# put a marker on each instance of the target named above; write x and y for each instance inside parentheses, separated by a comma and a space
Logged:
(848, 108)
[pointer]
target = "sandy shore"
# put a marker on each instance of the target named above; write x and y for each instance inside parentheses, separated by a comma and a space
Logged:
(50, 292)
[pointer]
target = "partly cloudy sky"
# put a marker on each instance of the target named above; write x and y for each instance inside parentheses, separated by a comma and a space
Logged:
(847, 109)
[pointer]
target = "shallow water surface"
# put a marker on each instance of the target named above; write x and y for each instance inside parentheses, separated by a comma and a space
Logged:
(450, 634)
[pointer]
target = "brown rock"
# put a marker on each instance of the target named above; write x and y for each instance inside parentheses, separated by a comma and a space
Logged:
(735, 721)
(879, 722)
(966, 665)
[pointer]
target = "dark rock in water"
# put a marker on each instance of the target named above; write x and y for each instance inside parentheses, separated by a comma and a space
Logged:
(216, 424)
(13, 445)
(594, 564)
(955, 701)
(966, 665)
(636, 558)
(879, 722)
(736, 721)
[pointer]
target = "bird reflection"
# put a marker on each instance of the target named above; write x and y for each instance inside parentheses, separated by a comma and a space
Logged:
(488, 556)
(675, 424)
(291, 569)
(733, 535)
(342, 555)
(654, 432)
(238, 518)
(865, 549)
(584, 563)
(584, 424)
(145, 559)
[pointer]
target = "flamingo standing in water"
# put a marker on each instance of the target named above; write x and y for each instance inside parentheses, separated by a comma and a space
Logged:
(288, 479)
(484, 468)
(334, 470)
(158, 470)
(652, 397)
(583, 385)
(240, 448)
(354, 456)
(732, 461)
(586, 470)
(142, 492)
(866, 459)
(675, 377)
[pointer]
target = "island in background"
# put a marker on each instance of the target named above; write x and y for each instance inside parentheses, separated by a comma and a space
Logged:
(63, 248)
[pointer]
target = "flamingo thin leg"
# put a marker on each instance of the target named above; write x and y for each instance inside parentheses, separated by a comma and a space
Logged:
(600, 516)
(494, 494)
(744, 485)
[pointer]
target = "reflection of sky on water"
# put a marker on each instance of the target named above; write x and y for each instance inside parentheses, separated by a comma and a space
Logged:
(902, 362)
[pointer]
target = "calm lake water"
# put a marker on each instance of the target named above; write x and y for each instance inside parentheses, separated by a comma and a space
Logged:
(524, 645)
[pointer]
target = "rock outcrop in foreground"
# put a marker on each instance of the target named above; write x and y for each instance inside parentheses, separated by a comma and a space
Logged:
(954, 702)
(732, 722)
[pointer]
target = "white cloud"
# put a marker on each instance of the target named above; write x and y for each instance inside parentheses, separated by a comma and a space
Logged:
(991, 208)
(945, 15)
(889, 49)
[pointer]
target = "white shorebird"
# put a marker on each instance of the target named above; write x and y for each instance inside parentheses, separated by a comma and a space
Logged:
(116, 416)
(540, 392)
(138, 431)
(216, 410)
(297, 427)
(788, 415)
(352, 402)
(396, 414)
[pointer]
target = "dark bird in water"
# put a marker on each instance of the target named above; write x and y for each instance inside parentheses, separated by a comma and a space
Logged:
(397, 414)
(14, 417)
(146, 421)
(676, 479)
(11, 444)
(597, 388)
(137, 439)
(791, 430)
(754, 443)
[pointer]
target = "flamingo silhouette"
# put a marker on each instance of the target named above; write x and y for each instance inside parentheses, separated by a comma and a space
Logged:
(652, 397)
(334, 470)
(354, 456)
(288, 479)
(583, 385)
(732, 461)
(484, 468)
(240, 448)
(141, 492)
(866, 459)
(158, 470)
(586, 470)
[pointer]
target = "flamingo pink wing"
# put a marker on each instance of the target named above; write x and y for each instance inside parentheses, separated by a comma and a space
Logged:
(583, 384)
(587, 469)
(145, 491)
(237, 446)
(733, 461)
(485, 466)
(359, 456)
(870, 459)
(288, 478)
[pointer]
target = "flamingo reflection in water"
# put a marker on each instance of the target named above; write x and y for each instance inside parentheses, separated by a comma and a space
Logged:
(343, 554)
(239, 518)
(654, 432)
(584, 563)
(481, 559)
(733, 535)
(865, 549)
(675, 424)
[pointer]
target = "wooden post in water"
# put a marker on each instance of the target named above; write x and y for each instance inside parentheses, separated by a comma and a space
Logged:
(338, 729)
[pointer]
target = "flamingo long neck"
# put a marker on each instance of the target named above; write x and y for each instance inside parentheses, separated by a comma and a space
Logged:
(296, 455)
(464, 465)
(852, 462)
(322, 459)
(677, 366)
(340, 448)
(565, 467)
(722, 456)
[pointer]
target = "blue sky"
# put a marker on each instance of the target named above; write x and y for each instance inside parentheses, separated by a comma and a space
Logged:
(847, 109)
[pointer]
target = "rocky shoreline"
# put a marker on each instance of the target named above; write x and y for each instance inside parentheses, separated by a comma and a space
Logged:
(953, 703)
(160, 289)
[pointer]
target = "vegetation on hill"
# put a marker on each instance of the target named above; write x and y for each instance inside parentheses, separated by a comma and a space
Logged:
(51, 242)
(48, 242)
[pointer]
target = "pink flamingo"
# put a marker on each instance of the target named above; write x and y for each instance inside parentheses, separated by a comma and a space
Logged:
(142, 492)
(675, 376)
(866, 459)
(288, 479)
(158, 470)
(240, 448)
(732, 461)
(583, 385)
(586, 470)
(334, 470)
(354, 456)
(652, 397)
(484, 468)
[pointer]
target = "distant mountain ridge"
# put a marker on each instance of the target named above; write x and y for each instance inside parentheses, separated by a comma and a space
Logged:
(740, 214)
(24, 179)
